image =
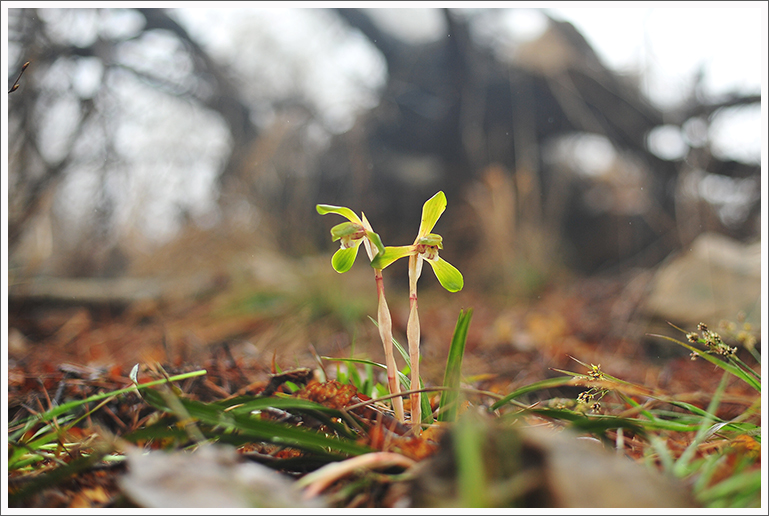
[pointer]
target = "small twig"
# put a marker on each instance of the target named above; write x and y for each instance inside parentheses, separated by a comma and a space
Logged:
(301, 375)
(430, 389)
(112, 414)
(319, 360)
(16, 82)
(228, 352)
(320, 479)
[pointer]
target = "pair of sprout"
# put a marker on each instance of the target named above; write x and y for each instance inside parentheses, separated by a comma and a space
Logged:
(358, 231)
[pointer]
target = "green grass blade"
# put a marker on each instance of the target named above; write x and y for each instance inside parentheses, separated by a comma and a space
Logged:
(447, 407)
(682, 464)
(633, 403)
(742, 485)
(736, 371)
(742, 365)
(405, 380)
(266, 431)
(471, 474)
(597, 424)
(245, 407)
(696, 410)
(61, 409)
(660, 446)
(397, 345)
(52, 433)
(56, 476)
(536, 386)
(427, 409)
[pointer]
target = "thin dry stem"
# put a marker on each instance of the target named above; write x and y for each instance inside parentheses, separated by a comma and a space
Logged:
(320, 479)
(384, 321)
(413, 335)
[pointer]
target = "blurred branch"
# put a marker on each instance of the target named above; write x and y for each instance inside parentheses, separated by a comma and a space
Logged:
(226, 99)
(16, 82)
(112, 291)
(707, 109)
(391, 47)
(122, 291)
(33, 190)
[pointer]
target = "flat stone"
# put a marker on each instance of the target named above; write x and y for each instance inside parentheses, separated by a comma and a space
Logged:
(717, 278)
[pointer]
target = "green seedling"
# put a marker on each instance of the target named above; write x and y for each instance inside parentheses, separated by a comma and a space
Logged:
(425, 247)
(351, 234)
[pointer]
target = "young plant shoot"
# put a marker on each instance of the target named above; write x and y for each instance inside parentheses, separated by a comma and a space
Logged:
(425, 247)
(351, 234)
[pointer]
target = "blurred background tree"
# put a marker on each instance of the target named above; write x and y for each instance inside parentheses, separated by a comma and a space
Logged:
(200, 134)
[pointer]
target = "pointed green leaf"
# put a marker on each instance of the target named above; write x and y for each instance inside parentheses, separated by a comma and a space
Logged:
(341, 210)
(391, 254)
(432, 239)
(345, 229)
(448, 406)
(372, 236)
(447, 274)
(543, 384)
(377, 241)
(344, 258)
(258, 429)
(431, 212)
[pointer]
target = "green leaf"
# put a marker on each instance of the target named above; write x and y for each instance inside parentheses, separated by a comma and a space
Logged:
(732, 369)
(258, 429)
(390, 255)
(472, 483)
(447, 274)
(427, 409)
(344, 258)
(67, 407)
(447, 408)
(431, 212)
(432, 239)
(543, 384)
(404, 379)
(377, 241)
(345, 229)
(340, 210)
(41, 482)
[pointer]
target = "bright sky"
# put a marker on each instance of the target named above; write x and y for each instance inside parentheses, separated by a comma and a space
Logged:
(672, 44)
(309, 51)
(668, 41)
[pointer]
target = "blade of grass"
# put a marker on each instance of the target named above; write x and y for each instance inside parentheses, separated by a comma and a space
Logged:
(536, 386)
(471, 474)
(447, 407)
(57, 475)
(682, 463)
(742, 365)
(742, 484)
(267, 431)
(663, 453)
(405, 381)
(13, 459)
(736, 371)
(633, 403)
(61, 409)
(427, 414)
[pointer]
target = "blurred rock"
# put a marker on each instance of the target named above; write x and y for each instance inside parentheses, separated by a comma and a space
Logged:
(212, 476)
(18, 346)
(718, 278)
(539, 467)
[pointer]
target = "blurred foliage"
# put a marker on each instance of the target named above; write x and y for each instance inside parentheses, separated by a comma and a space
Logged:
(132, 127)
